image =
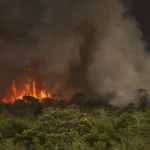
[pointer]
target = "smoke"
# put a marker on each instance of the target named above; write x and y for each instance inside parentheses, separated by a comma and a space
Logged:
(80, 46)
(120, 63)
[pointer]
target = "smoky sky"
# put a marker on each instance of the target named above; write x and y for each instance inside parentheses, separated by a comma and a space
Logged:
(54, 32)
(141, 11)
(71, 41)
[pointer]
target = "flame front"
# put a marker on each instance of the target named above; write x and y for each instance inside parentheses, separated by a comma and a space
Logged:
(29, 89)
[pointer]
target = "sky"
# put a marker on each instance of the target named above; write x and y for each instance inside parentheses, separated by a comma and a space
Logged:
(141, 10)
(77, 44)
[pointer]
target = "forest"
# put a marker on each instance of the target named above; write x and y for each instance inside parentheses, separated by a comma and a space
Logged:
(78, 124)
(68, 46)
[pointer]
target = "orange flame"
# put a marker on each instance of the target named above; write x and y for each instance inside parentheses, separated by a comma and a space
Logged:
(28, 90)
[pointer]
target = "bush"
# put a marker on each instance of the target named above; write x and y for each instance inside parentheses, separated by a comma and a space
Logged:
(73, 129)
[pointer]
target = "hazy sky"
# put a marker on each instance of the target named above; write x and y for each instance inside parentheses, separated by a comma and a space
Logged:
(73, 40)
(141, 10)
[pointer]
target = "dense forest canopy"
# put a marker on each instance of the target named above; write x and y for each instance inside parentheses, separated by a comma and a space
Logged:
(78, 128)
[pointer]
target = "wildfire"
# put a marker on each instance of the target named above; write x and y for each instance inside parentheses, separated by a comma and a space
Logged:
(28, 89)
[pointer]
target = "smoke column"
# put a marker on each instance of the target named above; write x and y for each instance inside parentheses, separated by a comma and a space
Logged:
(120, 63)
(82, 46)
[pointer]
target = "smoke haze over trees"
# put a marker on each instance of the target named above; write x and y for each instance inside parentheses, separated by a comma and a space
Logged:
(87, 46)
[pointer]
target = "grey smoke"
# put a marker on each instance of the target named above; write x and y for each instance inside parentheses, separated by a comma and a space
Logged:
(87, 46)
(121, 63)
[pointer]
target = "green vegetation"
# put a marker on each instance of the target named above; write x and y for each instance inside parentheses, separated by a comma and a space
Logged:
(74, 129)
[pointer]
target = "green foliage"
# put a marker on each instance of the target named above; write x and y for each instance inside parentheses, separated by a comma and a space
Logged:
(10, 126)
(73, 129)
(9, 145)
(57, 127)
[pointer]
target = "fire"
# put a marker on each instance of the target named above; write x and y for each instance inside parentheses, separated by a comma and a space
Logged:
(28, 89)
